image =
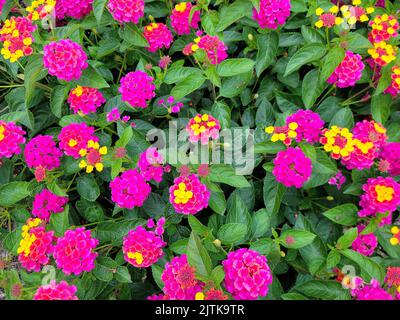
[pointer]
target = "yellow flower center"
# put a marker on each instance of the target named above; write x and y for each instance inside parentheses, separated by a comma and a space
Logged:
(182, 195)
(137, 256)
(2, 130)
(181, 7)
(384, 193)
(78, 91)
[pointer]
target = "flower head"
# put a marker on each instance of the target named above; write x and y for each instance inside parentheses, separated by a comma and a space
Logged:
(150, 165)
(142, 248)
(11, 137)
(383, 53)
(214, 48)
(384, 27)
(292, 167)
(179, 279)
(202, 128)
(40, 9)
(370, 131)
(74, 252)
(188, 195)
(309, 125)
(272, 13)
(93, 157)
(393, 277)
(56, 291)
(73, 8)
(36, 245)
(391, 155)
(42, 152)
(47, 203)
(348, 72)
(381, 195)
(364, 243)
(338, 141)
(338, 180)
(180, 18)
(85, 100)
(129, 190)
(371, 291)
(137, 88)
(394, 88)
(362, 157)
(158, 36)
(65, 59)
(126, 10)
(247, 274)
(395, 239)
(75, 137)
(17, 38)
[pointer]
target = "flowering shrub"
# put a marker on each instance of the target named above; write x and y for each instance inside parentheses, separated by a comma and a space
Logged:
(204, 150)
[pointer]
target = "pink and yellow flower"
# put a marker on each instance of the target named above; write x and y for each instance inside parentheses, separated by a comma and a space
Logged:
(180, 18)
(337, 141)
(41, 152)
(383, 53)
(370, 131)
(292, 167)
(74, 252)
(137, 88)
(126, 10)
(84, 100)
(203, 128)
(384, 28)
(188, 195)
(17, 37)
(35, 246)
(130, 189)
(56, 291)
(348, 72)
(151, 165)
(272, 13)
(158, 36)
(11, 138)
(381, 195)
(47, 203)
(247, 274)
(93, 157)
(309, 126)
(179, 279)
(75, 137)
(364, 243)
(65, 59)
(142, 248)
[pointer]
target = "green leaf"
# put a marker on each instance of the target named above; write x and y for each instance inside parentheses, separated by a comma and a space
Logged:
(217, 202)
(59, 222)
(217, 275)
(87, 187)
(261, 222)
(273, 193)
(34, 72)
(198, 256)
(380, 107)
(345, 214)
(325, 290)
(343, 118)
(312, 88)
(58, 96)
(222, 112)
(122, 275)
(269, 147)
(347, 239)
(13, 192)
(232, 233)
(133, 35)
(91, 78)
(233, 67)
(369, 268)
(331, 61)
(157, 272)
(104, 269)
(296, 239)
(226, 174)
(126, 136)
(233, 13)
(187, 86)
(333, 259)
(267, 48)
(308, 53)
(98, 9)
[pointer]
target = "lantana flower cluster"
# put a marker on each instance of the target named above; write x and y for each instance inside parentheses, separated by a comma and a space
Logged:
(203, 127)
(126, 10)
(84, 100)
(17, 37)
(181, 21)
(11, 139)
(137, 88)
